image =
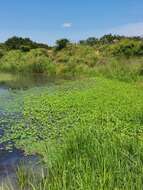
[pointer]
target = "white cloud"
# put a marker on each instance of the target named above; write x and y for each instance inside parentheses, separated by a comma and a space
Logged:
(132, 29)
(67, 25)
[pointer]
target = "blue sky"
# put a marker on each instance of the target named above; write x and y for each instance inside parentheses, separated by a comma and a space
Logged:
(49, 20)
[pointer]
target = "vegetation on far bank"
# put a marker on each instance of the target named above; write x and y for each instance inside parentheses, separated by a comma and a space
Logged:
(110, 55)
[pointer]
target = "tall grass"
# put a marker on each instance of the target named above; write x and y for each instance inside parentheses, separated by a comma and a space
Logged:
(128, 70)
(35, 61)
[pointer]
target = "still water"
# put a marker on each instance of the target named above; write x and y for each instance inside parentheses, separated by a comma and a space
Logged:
(12, 87)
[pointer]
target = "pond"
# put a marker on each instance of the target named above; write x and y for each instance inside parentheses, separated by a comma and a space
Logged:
(12, 89)
(23, 81)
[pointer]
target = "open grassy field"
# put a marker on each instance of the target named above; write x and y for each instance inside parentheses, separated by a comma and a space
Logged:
(89, 134)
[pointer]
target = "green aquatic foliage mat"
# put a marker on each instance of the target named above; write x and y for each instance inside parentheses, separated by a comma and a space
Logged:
(48, 113)
(88, 132)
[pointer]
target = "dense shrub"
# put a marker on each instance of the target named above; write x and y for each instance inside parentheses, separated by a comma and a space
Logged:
(25, 48)
(35, 61)
(39, 62)
(77, 55)
(2, 52)
(127, 48)
(12, 61)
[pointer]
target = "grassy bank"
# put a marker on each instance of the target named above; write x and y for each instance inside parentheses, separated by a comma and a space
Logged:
(75, 62)
(111, 56)
(89, 134)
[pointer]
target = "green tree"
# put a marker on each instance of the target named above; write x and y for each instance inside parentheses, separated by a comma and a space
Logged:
(19, 43)
(109, 38)
(91, 41)
(62, 43)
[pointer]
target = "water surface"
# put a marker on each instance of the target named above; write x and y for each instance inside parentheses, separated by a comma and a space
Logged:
(12, 89)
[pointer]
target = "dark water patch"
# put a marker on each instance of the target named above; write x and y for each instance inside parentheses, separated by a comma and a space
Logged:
(9, 161)
(12, 161)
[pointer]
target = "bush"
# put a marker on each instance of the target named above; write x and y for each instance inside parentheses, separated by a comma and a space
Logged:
(12, 61)
(2, 52)
(77, 54)
(35, 61)
(127, 48)
(41, 64)
(25, 48)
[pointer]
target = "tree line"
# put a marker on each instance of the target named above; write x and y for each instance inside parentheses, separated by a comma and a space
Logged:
(26, 44)
(114, 44)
